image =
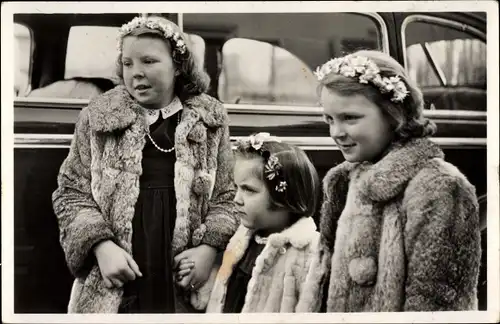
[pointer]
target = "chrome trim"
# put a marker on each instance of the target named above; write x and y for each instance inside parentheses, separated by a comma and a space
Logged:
(180, 21)
(383, 26)
(308, 143)
(440, 21)
(374, 15)
(55, 103)
(60, 103)
(434, 65)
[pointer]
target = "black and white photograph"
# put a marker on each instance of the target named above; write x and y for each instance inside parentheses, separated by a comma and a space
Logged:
(195, 162)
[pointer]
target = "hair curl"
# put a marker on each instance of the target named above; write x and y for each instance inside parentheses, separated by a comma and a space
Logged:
(406, 117)
(192, 80)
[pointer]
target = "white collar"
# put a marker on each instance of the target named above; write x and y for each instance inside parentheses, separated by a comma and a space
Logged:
(173, 107)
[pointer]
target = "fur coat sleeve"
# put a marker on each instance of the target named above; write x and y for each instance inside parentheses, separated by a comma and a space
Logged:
(80, 221)
(441, 242)
(222, 218)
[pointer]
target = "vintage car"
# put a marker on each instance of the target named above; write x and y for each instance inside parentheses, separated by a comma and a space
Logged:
(260, 66)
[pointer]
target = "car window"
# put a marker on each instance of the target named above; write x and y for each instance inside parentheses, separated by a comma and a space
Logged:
(22, 59)
(265, 58)
(449, 64)
(91, 52)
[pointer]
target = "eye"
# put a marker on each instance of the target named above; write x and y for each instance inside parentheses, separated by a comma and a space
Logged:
(126, 63)
(351, 117)
(149, 61)
(328, 119)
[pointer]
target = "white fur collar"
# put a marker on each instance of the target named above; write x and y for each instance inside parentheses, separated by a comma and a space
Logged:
(299, 236)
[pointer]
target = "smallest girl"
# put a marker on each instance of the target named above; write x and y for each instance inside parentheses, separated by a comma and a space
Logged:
(267, 259)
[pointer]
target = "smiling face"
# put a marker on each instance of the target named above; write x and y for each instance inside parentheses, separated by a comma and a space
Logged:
(148, 70)
(357, 125)
(253, 198)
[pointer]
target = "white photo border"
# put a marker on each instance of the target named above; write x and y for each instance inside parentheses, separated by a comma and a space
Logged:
(491, 7)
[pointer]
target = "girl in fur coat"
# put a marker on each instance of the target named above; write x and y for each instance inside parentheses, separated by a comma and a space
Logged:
(399, 225)
(266, 261)
(148, 177)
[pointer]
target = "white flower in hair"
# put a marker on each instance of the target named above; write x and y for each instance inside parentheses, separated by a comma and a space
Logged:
(257, 140)
(367, 72)
(155, 24)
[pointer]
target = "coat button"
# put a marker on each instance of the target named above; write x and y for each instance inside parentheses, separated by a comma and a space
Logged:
(363, 270)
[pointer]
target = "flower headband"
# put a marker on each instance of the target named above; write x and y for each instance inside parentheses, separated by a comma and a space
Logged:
(367, 71)
(154, 24)
(272, 166)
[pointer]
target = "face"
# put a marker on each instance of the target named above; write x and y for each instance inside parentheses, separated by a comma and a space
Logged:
(148, 70)
(357, 125)
(253, 198)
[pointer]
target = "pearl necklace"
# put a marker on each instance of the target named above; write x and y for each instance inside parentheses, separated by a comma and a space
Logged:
(156, 145)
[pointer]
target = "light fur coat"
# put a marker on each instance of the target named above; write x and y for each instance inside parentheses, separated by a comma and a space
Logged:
(278, 275)
(98, 186)
(398, 235)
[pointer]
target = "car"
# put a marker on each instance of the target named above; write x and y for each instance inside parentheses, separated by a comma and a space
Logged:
(260, 66)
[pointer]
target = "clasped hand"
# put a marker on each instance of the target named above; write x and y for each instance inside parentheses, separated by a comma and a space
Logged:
(192, 267)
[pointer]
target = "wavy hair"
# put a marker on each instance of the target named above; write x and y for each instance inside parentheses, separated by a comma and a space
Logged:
(406, 117)
(192, 80)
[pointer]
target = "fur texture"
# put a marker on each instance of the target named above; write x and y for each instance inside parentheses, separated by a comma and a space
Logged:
(98, 186)
(278, 274)
(406, 236)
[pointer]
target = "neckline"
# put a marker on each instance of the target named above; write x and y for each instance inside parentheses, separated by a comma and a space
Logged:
(171, 109)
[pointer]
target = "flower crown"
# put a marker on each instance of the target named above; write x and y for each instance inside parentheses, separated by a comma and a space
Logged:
(272, 166)
(367, 71)
(154, 24)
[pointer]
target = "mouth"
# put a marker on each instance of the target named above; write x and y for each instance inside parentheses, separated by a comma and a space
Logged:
(142, 87)
(346, 146)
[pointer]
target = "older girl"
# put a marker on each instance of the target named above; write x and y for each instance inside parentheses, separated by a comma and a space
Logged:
(148, 177)
(399, 225)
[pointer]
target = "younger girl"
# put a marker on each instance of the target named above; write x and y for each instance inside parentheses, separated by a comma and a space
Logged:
(399, 225)
(148, 177)
(266, 261)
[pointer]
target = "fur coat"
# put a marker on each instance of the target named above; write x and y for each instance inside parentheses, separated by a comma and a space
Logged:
(98, 186)
(398, 235)
(277, 277)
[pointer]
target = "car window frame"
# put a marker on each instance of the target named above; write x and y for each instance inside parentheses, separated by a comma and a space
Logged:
(385, 47)
(30, 60)
(448, 23)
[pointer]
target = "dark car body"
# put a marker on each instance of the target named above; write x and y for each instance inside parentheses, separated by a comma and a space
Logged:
(43, 126)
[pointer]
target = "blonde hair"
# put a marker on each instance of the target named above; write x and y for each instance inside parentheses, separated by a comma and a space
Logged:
(406, 117)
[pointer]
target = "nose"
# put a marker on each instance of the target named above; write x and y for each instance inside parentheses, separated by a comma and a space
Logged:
(237, 198)
(137, 71)
(337, 131)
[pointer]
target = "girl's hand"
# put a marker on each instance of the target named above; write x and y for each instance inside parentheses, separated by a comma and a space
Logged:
(117, 266)
(184, 269)
(203, 257)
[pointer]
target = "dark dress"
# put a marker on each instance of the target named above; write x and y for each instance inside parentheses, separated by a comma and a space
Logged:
(238, 282)
(153, 227)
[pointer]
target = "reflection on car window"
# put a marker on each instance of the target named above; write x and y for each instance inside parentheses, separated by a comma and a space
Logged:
(260, 73)
(22, 59)
(268, 58)
(449, 64)
(91, 52)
